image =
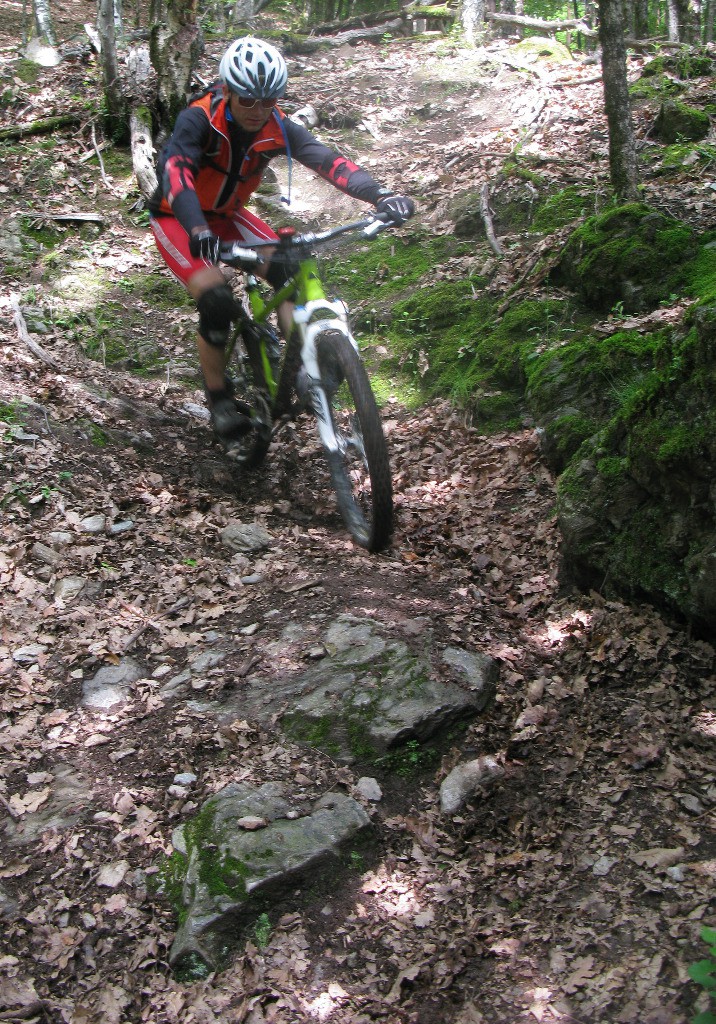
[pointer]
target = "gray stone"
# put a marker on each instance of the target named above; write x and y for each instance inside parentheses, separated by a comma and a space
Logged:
(46, 554)
(29, 654)
(185, 779)
(61, 538)
(175, 686)
(70, 794)
(248, 866)
(372, 693)
(122, 527)
(192, 676)
(478, 670)
(93, 524)
(245, 537)
(369, 789)
(111, 684)
(465, 779)
(8, 906)
(69, 587)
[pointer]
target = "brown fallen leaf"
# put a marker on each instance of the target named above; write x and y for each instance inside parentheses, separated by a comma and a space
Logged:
(659, 858)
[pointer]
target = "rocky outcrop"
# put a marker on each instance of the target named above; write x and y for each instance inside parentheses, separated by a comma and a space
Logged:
(245, 846)
(637, 507)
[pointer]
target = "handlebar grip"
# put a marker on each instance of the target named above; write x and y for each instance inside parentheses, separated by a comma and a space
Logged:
(379, 221)
(239, 256)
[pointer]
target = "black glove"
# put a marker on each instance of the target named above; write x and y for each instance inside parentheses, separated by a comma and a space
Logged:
(398, 208)
(204, 245)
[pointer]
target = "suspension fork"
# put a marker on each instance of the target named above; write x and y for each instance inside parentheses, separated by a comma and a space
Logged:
(313, 314)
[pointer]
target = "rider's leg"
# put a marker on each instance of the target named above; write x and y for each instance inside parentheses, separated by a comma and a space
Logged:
(217, 308)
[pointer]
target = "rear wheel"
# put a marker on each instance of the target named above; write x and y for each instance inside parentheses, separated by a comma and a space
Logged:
(360, 470)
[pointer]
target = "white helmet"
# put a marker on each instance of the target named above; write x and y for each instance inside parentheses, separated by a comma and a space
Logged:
(255, 69)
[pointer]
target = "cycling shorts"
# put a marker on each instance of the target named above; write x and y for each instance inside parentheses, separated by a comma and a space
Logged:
(173, 241)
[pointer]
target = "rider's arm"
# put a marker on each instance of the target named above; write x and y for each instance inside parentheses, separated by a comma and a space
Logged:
(180, 164)
(332, 166)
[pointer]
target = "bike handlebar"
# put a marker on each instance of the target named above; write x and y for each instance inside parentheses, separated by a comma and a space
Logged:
(247, 258)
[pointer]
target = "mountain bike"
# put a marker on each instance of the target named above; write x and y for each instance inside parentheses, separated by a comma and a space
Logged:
(318, 371)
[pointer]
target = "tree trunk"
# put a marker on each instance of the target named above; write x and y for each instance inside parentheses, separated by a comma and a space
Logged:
(243, 12)
(641, 19)
(141, 93)
(673, 31)
(708, 22)
(622, 146)
(175, 45)
(472, 16)
(44, 29)
(114, 98)
(689, 18)
(140, 123)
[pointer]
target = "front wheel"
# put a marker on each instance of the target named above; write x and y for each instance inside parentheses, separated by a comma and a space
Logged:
(359, 466)
(250, 449)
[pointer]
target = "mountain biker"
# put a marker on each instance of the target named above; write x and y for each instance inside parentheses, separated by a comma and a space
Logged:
(207, 171)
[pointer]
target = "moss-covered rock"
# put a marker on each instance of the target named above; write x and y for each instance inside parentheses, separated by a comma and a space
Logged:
(237, 855)
(685, 65)
(658, 87)
(677, 121)
(631, 256)
(575, 389)
(637, 508)
(539, 48)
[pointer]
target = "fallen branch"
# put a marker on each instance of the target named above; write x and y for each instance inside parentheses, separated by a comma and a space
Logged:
(362, 21)
(566, 83)
(48, 124)
(546, 26)
(353, 36)
(32, 1009)
(71, 216)
(99, 158)
(24, 335)
(487, 220)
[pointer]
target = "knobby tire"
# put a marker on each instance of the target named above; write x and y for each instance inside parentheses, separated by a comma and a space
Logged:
(360, 470)
(250, 450)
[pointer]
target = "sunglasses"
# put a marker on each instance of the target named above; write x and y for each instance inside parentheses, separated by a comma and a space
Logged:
(248, 103)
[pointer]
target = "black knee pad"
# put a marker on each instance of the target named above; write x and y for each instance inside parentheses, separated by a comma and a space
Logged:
(217, 308)
(281, 271)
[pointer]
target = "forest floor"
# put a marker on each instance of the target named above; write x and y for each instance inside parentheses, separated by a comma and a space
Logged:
(575, 889)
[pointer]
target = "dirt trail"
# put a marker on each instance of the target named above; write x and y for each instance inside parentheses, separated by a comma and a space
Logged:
(572, 891)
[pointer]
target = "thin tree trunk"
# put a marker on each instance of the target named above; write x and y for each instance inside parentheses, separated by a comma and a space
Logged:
(116, 107)
(673, 30)
(472, 16)
(44, 28)
(641, 19)
(622, 146)
(140, 123)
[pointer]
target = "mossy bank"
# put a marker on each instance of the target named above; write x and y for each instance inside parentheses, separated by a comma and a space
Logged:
(623, 398)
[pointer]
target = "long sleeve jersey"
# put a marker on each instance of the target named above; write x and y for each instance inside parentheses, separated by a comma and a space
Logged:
(210, 165)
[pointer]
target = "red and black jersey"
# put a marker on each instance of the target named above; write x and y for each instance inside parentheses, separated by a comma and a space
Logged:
(210, 165)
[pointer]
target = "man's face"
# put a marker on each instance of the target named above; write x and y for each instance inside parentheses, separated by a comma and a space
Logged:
(251, 119)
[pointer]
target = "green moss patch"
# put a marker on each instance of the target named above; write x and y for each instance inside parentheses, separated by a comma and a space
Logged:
(635, 505)
(657, 87)
(630, 255)
(686, 65)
